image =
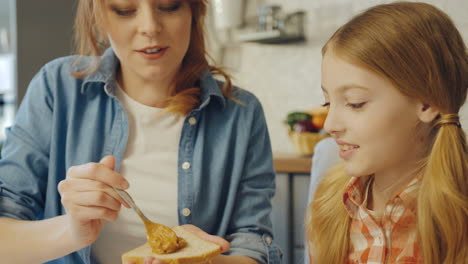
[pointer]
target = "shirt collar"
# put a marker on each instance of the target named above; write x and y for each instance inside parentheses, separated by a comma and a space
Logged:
(354, 195)
(106, 74)
(211, 88)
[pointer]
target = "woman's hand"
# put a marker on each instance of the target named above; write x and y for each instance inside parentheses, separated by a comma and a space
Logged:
(225, 246)
(89, 199)
(200, 233)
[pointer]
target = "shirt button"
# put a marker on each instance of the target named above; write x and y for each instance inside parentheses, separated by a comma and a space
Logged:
(192, 121)
(186, 212)
(268, 240)
(186, 165)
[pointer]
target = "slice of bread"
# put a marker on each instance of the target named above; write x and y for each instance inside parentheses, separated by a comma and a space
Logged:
(197, 251)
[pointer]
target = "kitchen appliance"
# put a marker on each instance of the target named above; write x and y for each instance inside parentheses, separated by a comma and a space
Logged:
(228, 14)
(275, 26)
(268, 17)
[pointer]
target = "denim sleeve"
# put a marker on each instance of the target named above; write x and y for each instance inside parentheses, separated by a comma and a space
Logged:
(254, 246)
(251, 221)
(24, 157)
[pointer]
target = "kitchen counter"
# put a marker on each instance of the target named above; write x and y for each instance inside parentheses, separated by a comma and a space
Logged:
(292, 163)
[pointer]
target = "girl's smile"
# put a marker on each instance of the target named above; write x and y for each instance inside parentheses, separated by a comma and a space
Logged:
(346, 149)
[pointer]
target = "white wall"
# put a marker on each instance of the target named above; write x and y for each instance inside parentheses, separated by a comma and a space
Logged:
(287, 77)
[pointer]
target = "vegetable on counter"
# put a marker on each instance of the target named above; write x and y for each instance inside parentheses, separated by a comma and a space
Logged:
(307, 121)
(295, 117)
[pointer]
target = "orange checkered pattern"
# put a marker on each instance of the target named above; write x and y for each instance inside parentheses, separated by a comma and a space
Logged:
(391, 240)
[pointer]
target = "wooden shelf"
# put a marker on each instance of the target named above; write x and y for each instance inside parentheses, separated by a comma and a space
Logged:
(292, 163)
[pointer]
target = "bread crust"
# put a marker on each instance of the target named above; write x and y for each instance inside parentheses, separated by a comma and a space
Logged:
(202, 259)
(197, 251)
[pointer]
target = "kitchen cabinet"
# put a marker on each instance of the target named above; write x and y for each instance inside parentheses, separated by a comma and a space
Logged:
(290, 203)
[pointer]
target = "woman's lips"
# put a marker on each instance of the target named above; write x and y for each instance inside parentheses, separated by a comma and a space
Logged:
(152, 53)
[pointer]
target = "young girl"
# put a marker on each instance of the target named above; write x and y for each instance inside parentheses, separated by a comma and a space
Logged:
(394, 79)
(142, 110)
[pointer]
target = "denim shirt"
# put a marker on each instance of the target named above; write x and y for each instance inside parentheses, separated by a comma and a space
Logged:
(225, 172)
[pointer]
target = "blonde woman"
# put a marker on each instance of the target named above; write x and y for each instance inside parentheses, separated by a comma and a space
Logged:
(394, 79)
(142, 112)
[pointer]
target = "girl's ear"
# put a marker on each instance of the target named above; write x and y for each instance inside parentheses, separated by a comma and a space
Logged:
(427, 113)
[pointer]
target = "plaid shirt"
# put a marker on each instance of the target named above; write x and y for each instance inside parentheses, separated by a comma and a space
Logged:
(393, 239)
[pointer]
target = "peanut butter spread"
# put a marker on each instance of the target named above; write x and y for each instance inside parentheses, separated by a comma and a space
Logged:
(162, 239)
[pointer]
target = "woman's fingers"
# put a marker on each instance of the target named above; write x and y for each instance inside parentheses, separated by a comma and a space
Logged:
(87, 193)
(91, 205)
(97, 199)
(101, 172)
(89, 213)
(88, 196)
(86, 185)
(99, 177)
(225, 246)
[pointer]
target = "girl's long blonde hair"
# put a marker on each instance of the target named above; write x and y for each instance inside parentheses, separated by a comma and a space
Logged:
(419, 50)
(91, 41)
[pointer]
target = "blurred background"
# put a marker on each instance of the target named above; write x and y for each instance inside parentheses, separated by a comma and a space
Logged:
(271, 48)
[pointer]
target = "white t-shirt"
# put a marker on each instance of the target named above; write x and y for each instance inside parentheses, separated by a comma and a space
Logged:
(150, 166)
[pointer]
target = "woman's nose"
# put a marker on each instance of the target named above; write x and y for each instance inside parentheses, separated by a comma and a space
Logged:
(150, 22)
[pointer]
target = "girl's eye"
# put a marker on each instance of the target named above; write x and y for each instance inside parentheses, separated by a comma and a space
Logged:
(123, 12)
(327, 104)
(171, 8)
(356, 106)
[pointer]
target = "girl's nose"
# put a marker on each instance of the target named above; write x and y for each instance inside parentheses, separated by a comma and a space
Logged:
(333, 125)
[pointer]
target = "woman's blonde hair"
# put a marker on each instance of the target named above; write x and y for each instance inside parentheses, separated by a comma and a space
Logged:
(418, 49)
(90, 40)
